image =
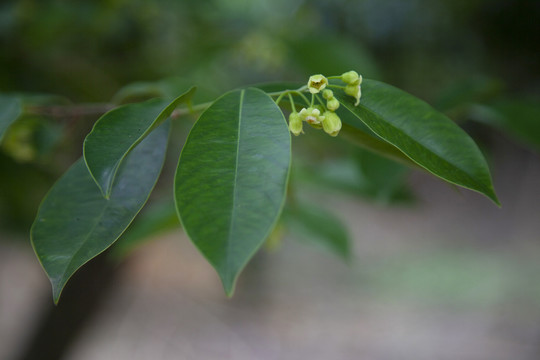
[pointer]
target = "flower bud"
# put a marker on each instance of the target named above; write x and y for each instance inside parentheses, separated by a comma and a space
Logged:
(317, 83)
(350, 77)
(332, 104)
(295, 123)
(328, 94)
(331, 123)
(354, 91)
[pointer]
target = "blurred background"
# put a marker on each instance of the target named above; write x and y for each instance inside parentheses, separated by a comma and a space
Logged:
(374, 261)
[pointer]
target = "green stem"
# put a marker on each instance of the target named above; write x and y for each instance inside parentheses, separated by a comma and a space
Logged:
(322, 103)
(312, 100)
(302, 96)
(336, 86)
(334, 77)
(194, 109)
(74, 111)
(280, 97)
(293, 108)
(276, 93)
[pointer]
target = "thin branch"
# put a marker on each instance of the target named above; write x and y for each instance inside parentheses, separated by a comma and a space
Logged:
(70, 111)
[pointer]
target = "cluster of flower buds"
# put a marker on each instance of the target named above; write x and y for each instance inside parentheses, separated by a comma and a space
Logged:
(324, 117)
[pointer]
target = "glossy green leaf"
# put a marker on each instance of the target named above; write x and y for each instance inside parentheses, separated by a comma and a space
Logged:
(75, 223)
(232, 177)
(425, 135)
(117, 132)
(10, 110)
(313, 223)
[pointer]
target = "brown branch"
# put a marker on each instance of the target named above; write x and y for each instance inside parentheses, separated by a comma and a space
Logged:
(70, 111)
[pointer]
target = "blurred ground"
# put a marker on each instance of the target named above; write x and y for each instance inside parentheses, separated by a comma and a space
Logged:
(453, 277)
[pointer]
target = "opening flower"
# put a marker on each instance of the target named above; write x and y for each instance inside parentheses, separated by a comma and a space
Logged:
(317, 83)
(354, 91)
(311, 115)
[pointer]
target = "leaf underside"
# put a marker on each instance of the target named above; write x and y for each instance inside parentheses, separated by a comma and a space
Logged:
(231, 179)
(76, 223)
(117, 132)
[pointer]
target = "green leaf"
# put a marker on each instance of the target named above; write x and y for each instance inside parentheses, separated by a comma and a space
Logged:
(517, 118)
(10, 110)
(231, 179)
(75, 223)
(318, 225)
(369, 141)
(425, 135)
(117, 132)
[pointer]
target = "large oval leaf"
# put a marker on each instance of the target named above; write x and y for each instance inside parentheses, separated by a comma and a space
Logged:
(10, 110)
(117, 132)
(75, 223)
(425, 135)
(232, 177)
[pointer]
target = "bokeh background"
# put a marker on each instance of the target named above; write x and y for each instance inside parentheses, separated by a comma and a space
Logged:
(433, 272)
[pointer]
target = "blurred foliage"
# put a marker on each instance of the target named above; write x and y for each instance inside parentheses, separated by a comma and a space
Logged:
(471, 59)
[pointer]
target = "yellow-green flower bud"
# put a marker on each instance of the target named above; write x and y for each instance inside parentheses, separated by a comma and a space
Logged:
(332, 104)
(295, 123)
(354, 91)
(317, 83)
(331, 123)
(311, 115)
(350, 77)
(328, 94)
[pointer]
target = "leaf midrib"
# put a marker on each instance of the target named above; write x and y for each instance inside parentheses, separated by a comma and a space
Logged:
(487, 189)
(233, 211)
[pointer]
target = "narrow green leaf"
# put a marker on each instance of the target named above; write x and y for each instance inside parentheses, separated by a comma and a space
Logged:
(425, 135)
(10, 110)
(117, 132)
(75, 223)
(312, 223)
(231, 179)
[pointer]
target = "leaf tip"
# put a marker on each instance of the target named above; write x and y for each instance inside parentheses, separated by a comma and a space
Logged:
(229, 283)
(57, 290)
(493, 197)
